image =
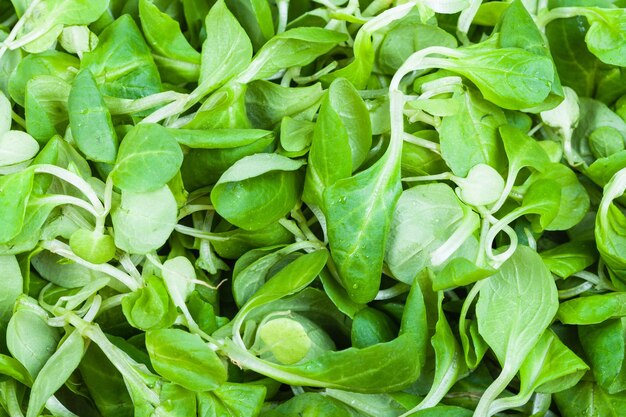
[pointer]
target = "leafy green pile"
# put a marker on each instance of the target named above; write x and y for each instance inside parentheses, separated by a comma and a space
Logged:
(312, 208)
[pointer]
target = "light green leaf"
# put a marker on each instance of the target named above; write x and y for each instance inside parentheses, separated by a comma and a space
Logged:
(144, 221)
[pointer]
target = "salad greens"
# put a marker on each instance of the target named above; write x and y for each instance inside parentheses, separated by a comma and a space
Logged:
(285, 208)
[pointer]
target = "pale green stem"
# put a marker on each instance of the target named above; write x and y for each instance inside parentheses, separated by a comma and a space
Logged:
(129, 266)
(498, 226)
(598, 281)
(111, 302)
(541, 403)
(58, 200)
(283, 15)
(10, 397)
(18, 119)
(293, 228)
(450, 84)
(508, 186)
(319, 74)
(469, 299)
(6, 44)
(439, 391)
(108, 201)
(437, 177)
(176, 107)
(565, 13)
(193, 208)
(393, 291)
(190, 231)
(574, 291)
(93, 309)
(244, 359)
(492, 392)
(59, 248)
(120, 360)
(454, 242)
(484, 228)
(75, 180)
(57, 408)
(508, 403)
(125, 106)
(465, 20)
(532, 242)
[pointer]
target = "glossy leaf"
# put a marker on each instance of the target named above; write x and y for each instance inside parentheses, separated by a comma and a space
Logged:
(185, 359)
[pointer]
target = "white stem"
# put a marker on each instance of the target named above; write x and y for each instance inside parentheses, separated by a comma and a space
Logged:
(454, 242)
(125, 106)
(6, 44)
(508, 186)
(491, 235)
(438, 177)
(190, 231)
(492, 392)
(59, 248)
(123, 363)
(393, 291)
(58, 200)
(75, 180)
(424, 143)
(439, 391)
(465, 19)
(283, 15)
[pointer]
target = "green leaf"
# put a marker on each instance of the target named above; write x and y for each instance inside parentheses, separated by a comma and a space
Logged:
(17, 147)
(401, 365)
(603, 345)
(94, 247)
(330, 154)
(176, 58)
(46, 107)
(150, 307)
(605, 37)
(227, 50)
(371, 326)
(267, 103)
(12, 287)
(574, 200)
(610, 224)
(570, 258)
(592, 399)
(49, 17)
(358, 224)
(408, 35)
(15, 191)
(511, 78)
(148, 158)
(551, 366)
(55, 372)
(176, 401)
(511, 318)
(55, 63)
(185, 359)
(219, 138)
(14, 369)
(90, 120)
(313, 405)
(144, 221)
(477, 122)
(236, 400)
(424, 219)
(592, 309)
(295, 47)
(257, 190)
(29, 338)
(122, 63)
